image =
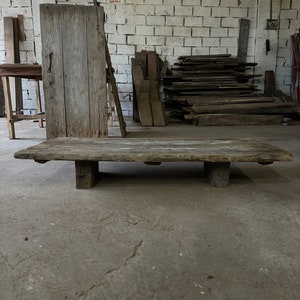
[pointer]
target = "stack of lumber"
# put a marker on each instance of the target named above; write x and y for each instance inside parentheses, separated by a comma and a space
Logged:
(148, 108)
(219, 90)
(209, 75)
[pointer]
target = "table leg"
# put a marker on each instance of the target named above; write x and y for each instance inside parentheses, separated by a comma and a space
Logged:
(39, 102)
(86, 172)
(218, 173)
(8, 107)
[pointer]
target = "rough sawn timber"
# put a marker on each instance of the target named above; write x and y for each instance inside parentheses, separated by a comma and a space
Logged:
(216, 154)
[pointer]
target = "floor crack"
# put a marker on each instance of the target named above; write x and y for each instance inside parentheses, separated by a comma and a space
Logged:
(135, 251)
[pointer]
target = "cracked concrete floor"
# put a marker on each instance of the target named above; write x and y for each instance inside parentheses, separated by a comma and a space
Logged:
(150, 232)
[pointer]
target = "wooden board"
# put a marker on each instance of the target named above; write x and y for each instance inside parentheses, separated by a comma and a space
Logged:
(217, 100)
(234, 119)
(242, 108)
(243, 39)
(154, 150)
(74, 70)
(142, 94)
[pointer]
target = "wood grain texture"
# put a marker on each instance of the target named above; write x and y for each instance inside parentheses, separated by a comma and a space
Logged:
(53, 71)
(74, 70)
(234, 119)
(154, 150)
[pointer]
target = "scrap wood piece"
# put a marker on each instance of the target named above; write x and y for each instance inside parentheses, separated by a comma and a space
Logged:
(146, 68)
(141, 87)
(216, 100)
(234, 119)
(114, 91)
(267, 108)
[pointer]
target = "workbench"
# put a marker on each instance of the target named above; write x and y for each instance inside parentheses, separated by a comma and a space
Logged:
(217, 155)
(26, 71)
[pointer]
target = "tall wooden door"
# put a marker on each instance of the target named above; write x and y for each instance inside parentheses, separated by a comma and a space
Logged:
(74, 70)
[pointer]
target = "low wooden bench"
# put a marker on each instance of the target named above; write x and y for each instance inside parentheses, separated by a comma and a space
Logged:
(216, 154)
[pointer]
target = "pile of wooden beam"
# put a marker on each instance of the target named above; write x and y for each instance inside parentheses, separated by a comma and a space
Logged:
(219, 90)
(148, 109)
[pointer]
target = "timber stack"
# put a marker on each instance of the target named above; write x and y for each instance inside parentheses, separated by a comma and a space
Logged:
(148, 109)
(220, 90)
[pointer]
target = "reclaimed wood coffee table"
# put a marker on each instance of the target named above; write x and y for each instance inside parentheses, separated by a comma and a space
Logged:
(216, 154)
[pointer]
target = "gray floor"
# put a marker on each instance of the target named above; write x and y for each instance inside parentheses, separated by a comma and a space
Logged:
(150, 232)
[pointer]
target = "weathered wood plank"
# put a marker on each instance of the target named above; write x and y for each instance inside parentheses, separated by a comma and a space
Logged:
(8, 106)
(53, 70)
(154, 150)
(30, 71)
(243, 39)
(242, 108)
(216, 100)
(142, 88)
(114, 91)
(74, 37)
(153, 65)
(234, 119)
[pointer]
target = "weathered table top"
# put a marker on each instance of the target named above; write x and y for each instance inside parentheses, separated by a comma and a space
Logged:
(154, 150)
(29, 71)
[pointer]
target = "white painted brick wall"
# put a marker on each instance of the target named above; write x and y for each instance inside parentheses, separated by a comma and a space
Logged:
(172, 28)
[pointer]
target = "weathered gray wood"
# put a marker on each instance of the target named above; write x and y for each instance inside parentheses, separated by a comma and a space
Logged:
(74, 71)
(114, 91)
(8, 106)
(243, 39)
(154, 150)
(242, 108)
(158, 113)
(218, 173)
(142, 88)
(216, 154)
(53, 71)
(153, 65)
(234, 119)
(86, 172)
(217, 100)
(157, 107)
(76, 83)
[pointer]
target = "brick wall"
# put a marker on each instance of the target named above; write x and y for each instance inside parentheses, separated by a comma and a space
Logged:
(174, 28)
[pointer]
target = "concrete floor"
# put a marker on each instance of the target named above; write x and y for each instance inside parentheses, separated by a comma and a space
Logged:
(150, 232)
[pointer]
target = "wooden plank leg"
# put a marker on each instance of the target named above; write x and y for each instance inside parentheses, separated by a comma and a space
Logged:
(86, 172)
(8, 107)
(39, 102)
(218, 173)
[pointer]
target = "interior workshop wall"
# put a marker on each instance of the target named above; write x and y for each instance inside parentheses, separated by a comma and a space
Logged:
(173, 28)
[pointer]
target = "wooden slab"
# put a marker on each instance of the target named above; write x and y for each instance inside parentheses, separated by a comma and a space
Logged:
(216, 154)
(234, 119)
(74, 70)
(154, 150)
